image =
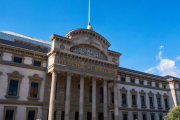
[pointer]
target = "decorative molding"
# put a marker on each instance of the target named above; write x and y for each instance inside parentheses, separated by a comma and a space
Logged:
(35, 77)
(158, 95)
(142, 92)
(123, 90)
(133, 91)
(88, 50)
(150, 94)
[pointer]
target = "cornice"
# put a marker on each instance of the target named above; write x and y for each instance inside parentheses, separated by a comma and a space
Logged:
(60, 38)
(88, 32)
(114, 54)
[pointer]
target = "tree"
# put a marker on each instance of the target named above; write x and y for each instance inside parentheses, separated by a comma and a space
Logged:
(174, 114)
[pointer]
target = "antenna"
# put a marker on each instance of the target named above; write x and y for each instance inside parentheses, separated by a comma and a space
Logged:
(89, 14)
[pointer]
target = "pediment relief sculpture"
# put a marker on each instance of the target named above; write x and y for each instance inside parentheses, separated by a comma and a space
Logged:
(88, 51)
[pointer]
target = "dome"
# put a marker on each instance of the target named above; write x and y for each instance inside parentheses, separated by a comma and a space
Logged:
(89, 27)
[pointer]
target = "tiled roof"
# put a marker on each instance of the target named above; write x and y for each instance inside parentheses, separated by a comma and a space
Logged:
(20, 45)
(140, 73)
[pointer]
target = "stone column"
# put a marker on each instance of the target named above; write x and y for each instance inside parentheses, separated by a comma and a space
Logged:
(105, 114)
(94, 98)
(52, 96)
(81, 98)
(173, 91)
(115, 101)
(68, 92)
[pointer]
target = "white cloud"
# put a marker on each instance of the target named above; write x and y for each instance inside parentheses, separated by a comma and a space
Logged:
(161, 47)
(165, 66)
(178, 58)
(150, 70)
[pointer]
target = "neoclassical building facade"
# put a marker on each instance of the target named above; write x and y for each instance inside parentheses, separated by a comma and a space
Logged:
(77, 78)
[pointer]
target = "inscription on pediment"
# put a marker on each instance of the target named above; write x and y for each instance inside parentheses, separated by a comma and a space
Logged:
(88, 51)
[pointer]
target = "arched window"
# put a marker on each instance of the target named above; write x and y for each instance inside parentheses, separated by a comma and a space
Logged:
(90, 94)
(101, 95)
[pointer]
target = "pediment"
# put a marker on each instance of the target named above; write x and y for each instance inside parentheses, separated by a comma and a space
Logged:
(88, 50)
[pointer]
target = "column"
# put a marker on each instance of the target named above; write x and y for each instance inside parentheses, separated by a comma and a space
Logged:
(68, 92)
(173, 91)
(52, 96)
(81, 98)
(105, 114)
(115, 101)
(94, 98)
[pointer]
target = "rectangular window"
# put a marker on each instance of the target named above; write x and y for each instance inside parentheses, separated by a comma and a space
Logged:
(62, 115)
(152, 117)
(132, 80)
(123, 79)
(144, 116)
(13, 88)
(112, 116)
(17, 60)
(141, 83)
(100, 116)
(124, 116)
(123, 99)
(37, 63)
(160, 117)
(54, 115)
(34, 90)
(76, 115)
(90, 94)
(149, 83)
(166, 103)
(31, 115)
(142, 101)
(134, 116)
(151, 101)
(159, 102)
(157, 85)
(133, 100)
(9, 114)
(101, 95)
(112, 97)
(164, 86)
(89, 116)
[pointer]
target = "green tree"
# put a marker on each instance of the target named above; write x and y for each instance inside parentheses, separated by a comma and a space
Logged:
(174, 114)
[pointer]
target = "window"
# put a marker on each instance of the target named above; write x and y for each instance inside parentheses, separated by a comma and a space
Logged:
(100, 116)
(160, 117)
(37, 63)
(90, 94)
(164, 86)
(123, 79)
(112, 97)
(54, 115)
(134, 116)
(149, 83)
(34, 90)
(141, 83)
(13, 88)
(166, 103)
(123, 99)
(159, 102)
(76, 115)
(112, 115)
(151, 101)
(157, 85)
(152, 117)
(133, 99)
(144, 117)
(31, 115)
(142, 101)
(101, 95)
(125, 117)
(9, 114)
(62, 115)
(17, 60)
(132, 80)
(89, 116)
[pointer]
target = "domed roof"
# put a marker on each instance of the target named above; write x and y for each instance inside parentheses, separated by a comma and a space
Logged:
(89, 27)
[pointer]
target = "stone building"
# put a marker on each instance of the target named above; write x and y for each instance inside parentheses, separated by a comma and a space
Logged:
(77, 78)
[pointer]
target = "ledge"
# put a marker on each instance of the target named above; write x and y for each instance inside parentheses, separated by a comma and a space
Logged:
(13, 97)
(32, 98)
(143, 106)
(134, 106)
(152, 107)
(124, 105)
(160, 108)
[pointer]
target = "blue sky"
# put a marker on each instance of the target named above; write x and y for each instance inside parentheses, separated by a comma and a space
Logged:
(135, 28)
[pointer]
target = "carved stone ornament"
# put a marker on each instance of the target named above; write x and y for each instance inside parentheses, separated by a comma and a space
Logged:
(114, 60)
(88, 51)
(62, 47)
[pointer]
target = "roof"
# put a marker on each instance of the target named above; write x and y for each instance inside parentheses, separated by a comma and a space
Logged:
(140, 73)
(11, 36)
(169, 76)
(20, 45)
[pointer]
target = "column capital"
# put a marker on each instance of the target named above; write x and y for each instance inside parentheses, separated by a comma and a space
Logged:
(105, 81)
(82, 76)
